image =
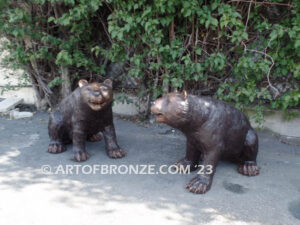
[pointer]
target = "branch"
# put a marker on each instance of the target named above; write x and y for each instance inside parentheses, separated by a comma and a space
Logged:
(215, 78)
(171, 32)
(265, 3)
(105, 29)
(270, 68)
(249, 9)
(107, 4)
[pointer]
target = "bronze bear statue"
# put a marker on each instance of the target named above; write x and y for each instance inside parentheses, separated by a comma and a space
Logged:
(213, 130)
(80, 117)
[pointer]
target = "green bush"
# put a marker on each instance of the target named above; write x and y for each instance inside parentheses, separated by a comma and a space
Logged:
(238, 51)
(52, 42)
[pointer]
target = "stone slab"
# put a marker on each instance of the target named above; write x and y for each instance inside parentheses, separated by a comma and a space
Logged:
(9, 103)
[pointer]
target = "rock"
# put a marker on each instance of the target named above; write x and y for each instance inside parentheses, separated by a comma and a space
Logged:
(117, 73)
(284, 84)
(15, 114)
(9, 104)
(114, 70)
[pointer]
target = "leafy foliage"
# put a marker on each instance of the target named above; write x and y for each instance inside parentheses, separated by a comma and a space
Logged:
(239, 51)
(52, 41)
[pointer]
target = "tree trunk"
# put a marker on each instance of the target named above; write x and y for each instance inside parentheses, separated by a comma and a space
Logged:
(66, 85)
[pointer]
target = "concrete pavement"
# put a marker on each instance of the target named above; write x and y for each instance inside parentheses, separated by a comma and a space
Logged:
(29, 197)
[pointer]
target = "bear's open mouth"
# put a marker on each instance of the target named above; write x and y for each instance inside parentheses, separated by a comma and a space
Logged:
(157, 113)
(97, 103)
(159, 117)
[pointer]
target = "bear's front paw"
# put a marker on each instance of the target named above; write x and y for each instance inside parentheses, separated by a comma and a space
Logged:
(249, 168)
(56, 147)
(116, 153)
(199, 184)
(80, 156)
(184, 164)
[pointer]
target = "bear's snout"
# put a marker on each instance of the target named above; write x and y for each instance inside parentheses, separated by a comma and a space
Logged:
(156, 106)
(157, 110)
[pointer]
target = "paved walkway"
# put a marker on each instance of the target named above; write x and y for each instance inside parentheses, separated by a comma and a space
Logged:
(29, 197)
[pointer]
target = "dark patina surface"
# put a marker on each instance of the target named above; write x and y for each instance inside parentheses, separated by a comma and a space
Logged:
(214, 130)
(80, 117)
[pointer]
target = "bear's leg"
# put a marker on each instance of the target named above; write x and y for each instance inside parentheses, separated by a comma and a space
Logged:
(191, 158)
(56, 133)
(248, 166)
(95, 137)
(79, 137)
(202, 182)
(112, 147)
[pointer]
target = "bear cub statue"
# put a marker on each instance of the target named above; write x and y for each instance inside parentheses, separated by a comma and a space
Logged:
(80, 117)
(214, 130)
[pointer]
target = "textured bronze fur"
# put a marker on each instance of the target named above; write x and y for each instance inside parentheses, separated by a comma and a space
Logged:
(80, 117)
(214, 130)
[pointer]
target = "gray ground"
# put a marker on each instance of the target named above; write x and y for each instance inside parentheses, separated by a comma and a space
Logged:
(27, 196)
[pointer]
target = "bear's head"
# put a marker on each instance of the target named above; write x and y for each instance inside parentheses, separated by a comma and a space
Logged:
(171, 109)
(96, 95)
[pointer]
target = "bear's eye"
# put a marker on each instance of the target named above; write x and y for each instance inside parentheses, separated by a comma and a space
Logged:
(103, 88)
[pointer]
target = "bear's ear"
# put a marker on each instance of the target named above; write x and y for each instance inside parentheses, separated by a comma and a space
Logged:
(184, 94)
(82, 83)
(108, 82)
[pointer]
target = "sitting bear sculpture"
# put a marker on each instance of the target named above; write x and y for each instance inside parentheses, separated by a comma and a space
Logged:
(213, 130)
(80, 117)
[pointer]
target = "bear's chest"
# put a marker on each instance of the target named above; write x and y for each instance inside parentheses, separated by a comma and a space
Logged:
(91, 123)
